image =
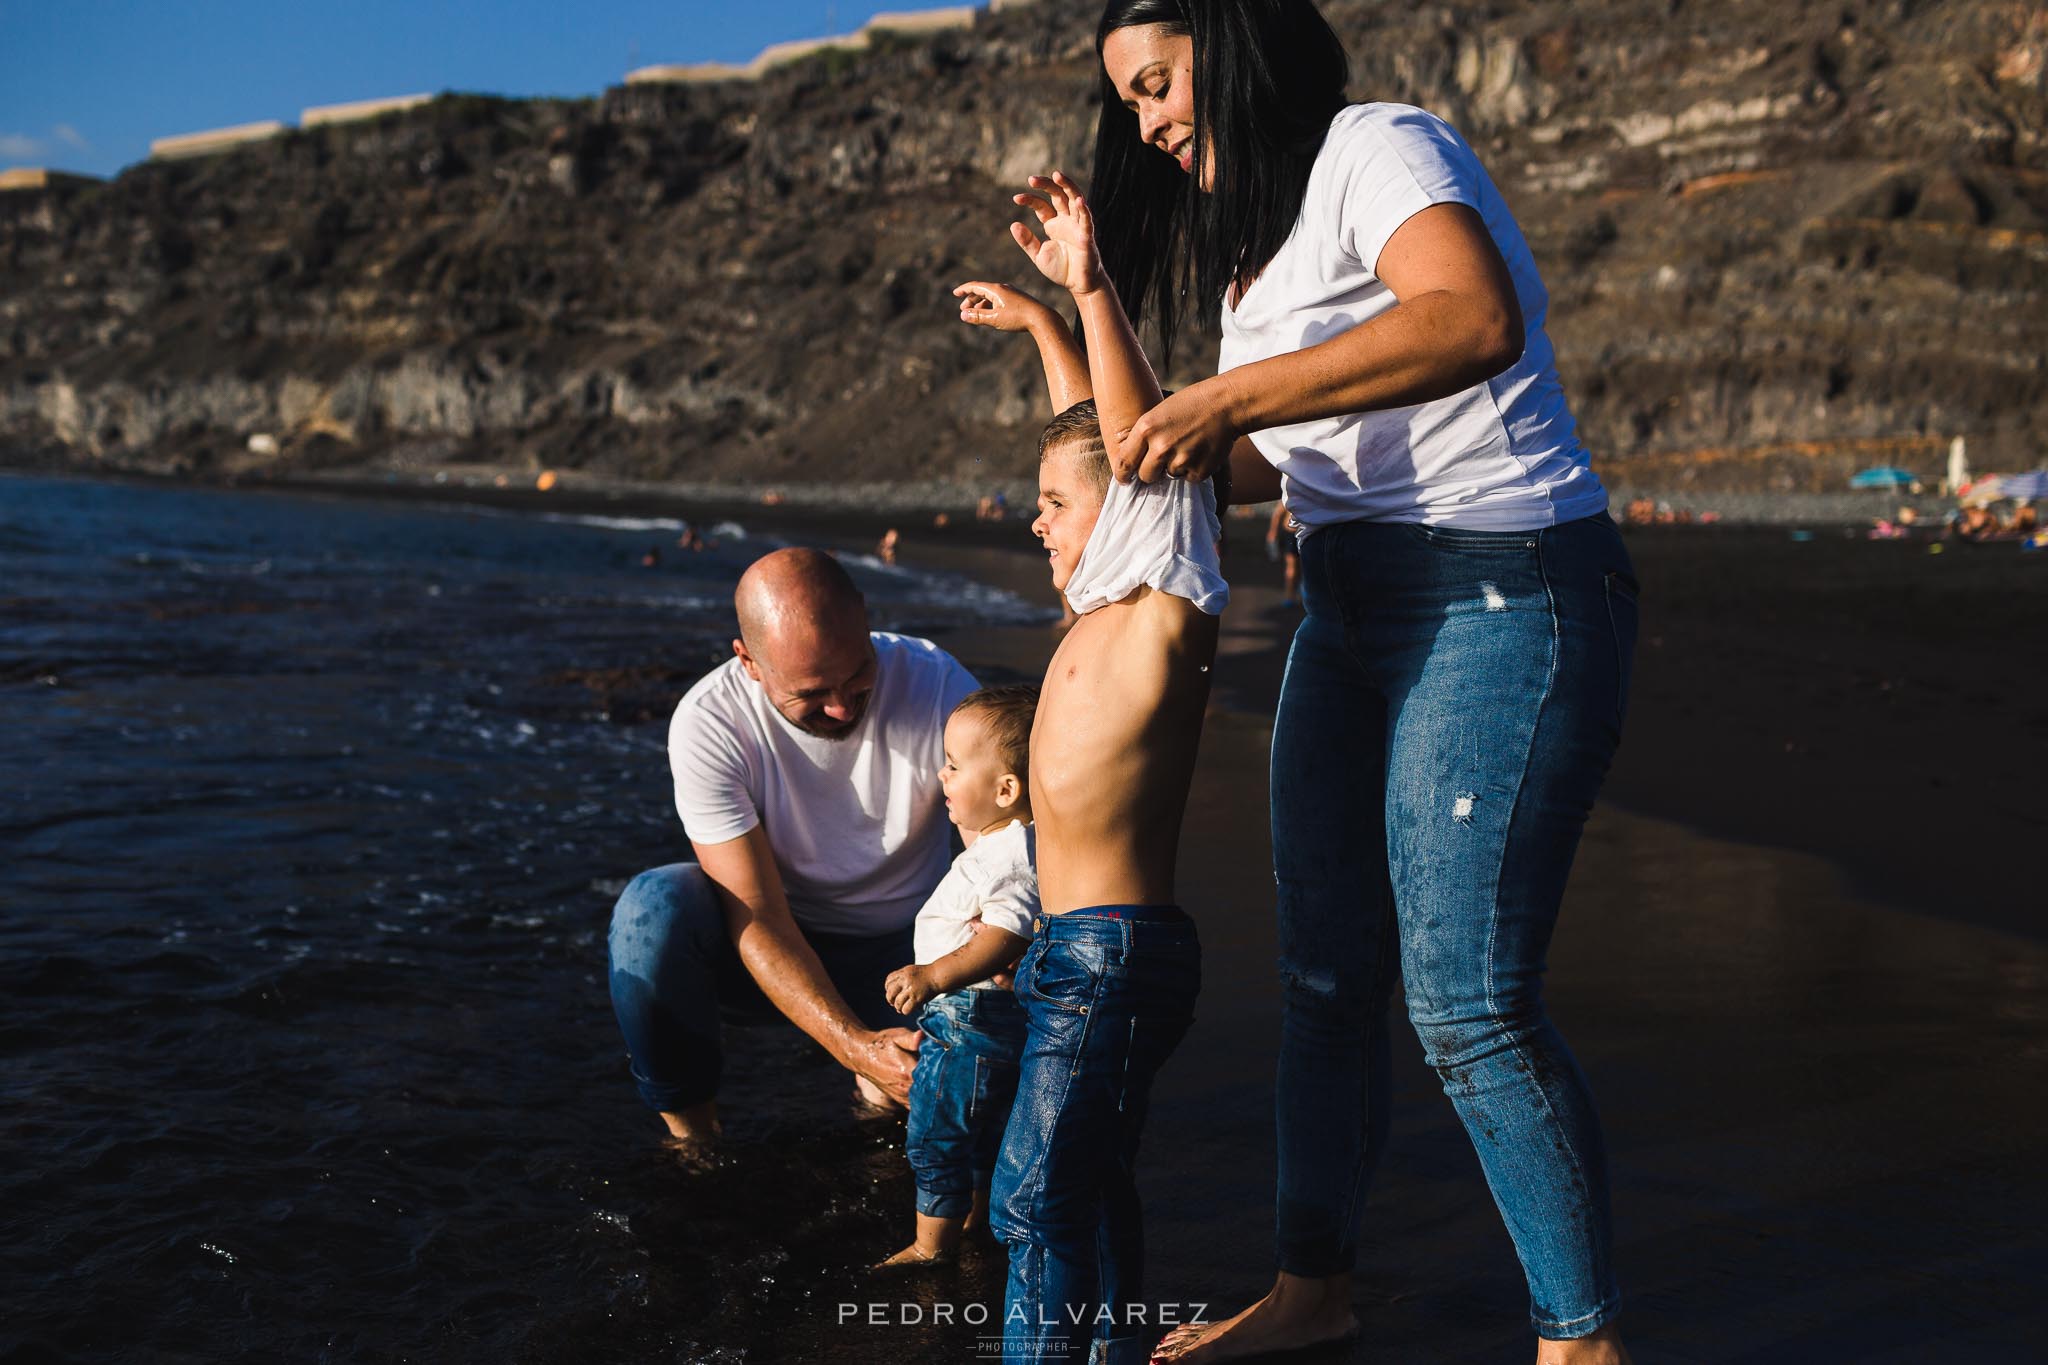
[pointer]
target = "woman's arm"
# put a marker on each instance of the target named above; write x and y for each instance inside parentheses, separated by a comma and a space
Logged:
(1124, 385)
(1456, 324)
(983, 304)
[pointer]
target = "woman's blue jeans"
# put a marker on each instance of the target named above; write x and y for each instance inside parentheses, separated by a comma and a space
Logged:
(1451, 703)
(960, 1095)
(1109, 993)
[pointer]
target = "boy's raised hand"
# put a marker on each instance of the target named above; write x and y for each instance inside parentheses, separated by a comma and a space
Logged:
(1067, 256)
(997, 305)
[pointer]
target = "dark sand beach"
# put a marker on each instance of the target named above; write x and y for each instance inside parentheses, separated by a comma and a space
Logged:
(1803, 960)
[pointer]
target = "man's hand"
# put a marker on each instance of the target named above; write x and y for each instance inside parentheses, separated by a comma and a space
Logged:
(909, 987)
(886, 1059)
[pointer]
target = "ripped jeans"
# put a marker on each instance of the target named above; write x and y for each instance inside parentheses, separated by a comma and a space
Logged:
(1451, 703)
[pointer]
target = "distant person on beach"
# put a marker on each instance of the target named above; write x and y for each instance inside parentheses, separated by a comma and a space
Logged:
(972, 930)
(1280, 536)
(803, 770)
(1455, 690)
(885, 548)
(1108, 987)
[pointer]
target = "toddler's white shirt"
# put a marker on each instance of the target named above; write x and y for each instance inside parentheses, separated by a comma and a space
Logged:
(995, 880)
(1159, 535)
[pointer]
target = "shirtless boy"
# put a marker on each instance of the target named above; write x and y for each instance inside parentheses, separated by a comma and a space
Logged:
(1108, 986)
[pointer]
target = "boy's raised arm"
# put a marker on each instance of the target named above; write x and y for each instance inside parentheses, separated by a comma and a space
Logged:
(983, 304)
(1125, 388)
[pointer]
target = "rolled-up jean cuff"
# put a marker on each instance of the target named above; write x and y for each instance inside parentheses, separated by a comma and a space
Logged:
(1583, 1326)
(946, 1204)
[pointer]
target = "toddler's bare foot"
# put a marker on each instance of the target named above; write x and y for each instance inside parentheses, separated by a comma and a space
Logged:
(916, 1255)
(1298, 1315)
(937, 1241)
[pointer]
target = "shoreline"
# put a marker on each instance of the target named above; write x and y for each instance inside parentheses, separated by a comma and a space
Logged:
(900, 503)
(1772, 681)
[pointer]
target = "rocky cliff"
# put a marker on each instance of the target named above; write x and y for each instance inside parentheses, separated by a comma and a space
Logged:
(1782, 240)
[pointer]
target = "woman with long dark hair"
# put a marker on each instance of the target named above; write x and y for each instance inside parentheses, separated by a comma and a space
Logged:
(1455, 691)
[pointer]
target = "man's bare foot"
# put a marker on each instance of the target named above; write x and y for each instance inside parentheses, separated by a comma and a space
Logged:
(693, 1135)
(1297, 1315)
(1602, 1348)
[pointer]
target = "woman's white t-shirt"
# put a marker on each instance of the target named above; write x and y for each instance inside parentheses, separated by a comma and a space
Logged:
(1503, 455)
(858, 824)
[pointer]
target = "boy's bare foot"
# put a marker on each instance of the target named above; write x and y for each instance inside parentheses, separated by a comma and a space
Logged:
(1298, 1315)
(694, 1154)
(1602, 1348)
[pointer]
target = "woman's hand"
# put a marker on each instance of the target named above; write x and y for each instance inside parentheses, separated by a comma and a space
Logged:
(997, 305)
(1067, 256)
(1188, 436)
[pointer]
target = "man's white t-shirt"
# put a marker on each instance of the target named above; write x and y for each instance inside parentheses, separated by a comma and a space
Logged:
(995, 881)
(1503, 455)
(858, 824)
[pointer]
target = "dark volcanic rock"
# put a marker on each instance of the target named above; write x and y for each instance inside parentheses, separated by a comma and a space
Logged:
(1819, 230)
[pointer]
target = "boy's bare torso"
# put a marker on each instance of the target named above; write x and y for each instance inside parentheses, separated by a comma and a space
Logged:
(1113, 751)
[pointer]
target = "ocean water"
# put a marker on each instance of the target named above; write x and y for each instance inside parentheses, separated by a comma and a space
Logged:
(312, 815)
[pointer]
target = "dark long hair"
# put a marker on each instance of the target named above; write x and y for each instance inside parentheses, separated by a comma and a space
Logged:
(1269, 76)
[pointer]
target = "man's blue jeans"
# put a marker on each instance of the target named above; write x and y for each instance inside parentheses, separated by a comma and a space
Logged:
(1108, 993)
(675, 973)
(1451, 703)
(960, 1094)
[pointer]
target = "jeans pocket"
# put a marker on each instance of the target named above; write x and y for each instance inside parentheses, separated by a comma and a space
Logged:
(1063, 976)
(1470, 541)
(995, 1085)
(1623, 619)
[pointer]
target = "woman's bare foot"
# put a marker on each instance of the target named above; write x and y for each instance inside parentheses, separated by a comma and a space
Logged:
(1299, 1313)
(1602, 1348)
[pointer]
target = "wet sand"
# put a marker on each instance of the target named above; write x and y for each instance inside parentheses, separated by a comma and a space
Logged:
(1824, 1105)
(1804, 960)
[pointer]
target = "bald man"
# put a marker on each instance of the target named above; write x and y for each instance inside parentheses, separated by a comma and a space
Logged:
(806, 771)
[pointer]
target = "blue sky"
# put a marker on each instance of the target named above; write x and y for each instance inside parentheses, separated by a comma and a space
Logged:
(85, 84)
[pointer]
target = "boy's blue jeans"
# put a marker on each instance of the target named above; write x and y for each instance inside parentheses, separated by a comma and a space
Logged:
(1108, 993)
(960, 1094)
(1451, 702)
(675, 974)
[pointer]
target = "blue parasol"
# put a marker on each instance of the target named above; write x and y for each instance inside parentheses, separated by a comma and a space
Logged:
(1884, 476)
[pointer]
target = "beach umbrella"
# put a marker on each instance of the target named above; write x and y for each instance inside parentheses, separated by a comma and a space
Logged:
(1883, 476)
(2032, 484)
(1990, 488)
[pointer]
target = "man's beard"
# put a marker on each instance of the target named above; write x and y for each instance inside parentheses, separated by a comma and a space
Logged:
(821, 726)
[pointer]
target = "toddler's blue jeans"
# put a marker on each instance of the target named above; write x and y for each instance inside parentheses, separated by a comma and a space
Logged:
(960, 1094)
